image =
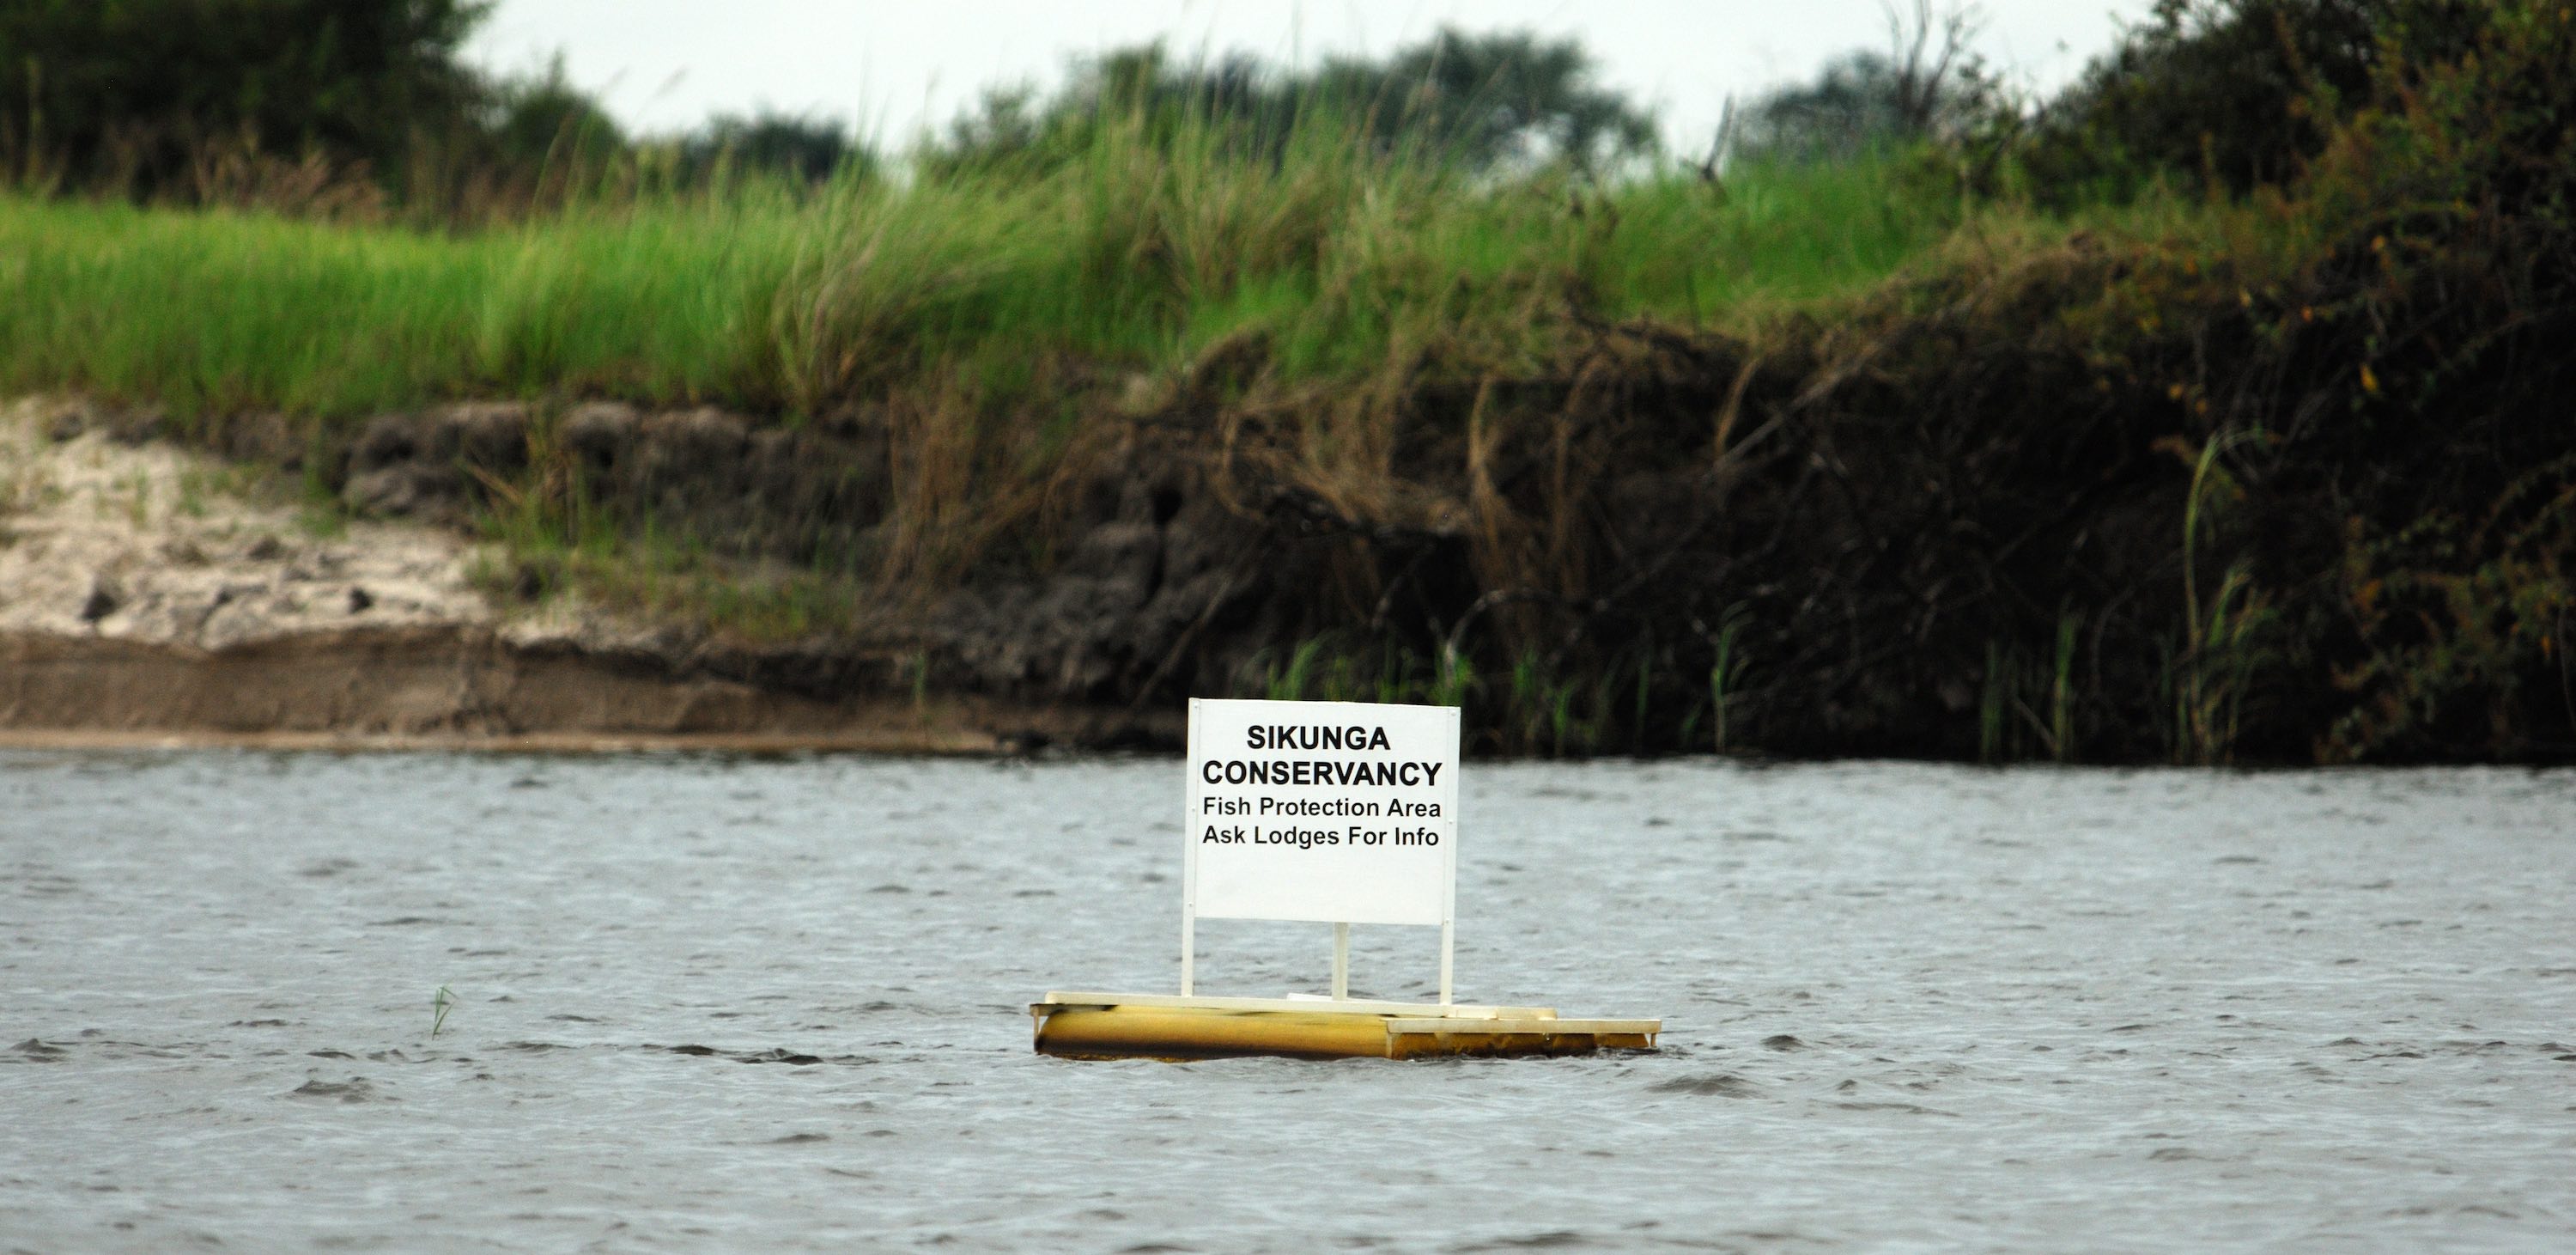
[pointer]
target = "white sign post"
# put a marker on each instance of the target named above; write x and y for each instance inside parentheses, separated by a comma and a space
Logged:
(1338, 812)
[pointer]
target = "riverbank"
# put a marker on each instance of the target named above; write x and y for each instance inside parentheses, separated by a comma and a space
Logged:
(2274, 476)
(153, 595)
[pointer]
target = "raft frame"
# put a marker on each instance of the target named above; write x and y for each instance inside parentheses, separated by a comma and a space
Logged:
(1093, 1025)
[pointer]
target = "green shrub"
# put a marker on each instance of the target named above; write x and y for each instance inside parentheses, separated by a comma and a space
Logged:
(2231, 94)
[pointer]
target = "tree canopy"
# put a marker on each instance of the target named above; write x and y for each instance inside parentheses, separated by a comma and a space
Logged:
(1483, 101)
(134, 90)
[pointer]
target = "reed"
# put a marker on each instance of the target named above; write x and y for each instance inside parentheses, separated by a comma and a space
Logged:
(1726, 673)
(2225, 643)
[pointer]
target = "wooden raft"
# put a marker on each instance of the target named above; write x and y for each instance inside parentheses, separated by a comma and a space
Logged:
(1083, 1025)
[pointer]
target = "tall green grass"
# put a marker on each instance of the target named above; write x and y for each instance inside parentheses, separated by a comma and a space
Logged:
(1141, 254)
(221, 310)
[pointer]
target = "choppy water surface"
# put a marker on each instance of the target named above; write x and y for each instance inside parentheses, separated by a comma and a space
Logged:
(778, 1005)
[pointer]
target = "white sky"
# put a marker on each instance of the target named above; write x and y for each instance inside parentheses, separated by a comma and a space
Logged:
(892, 66)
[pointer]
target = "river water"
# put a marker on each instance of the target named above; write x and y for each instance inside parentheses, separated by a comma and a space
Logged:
(708, 1003)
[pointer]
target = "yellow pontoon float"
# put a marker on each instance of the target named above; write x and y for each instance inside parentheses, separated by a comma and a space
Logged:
(1336, 812)
(1130, 1026)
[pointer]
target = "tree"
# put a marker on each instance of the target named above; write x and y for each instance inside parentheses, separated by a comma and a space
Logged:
(129, 92)
(1926, 85)
(1481, 101)
(792, 145)
(1490, 100)
(543, 122)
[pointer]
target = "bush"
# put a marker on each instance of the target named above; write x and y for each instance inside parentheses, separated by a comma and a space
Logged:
(2230, 94)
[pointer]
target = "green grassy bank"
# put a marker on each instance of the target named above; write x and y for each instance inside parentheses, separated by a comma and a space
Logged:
(1139, 257)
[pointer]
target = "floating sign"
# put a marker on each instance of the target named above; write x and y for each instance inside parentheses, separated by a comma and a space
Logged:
(1340, 812)
(1331, 812)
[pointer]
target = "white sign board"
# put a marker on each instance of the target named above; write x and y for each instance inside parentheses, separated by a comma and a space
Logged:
(1341, 812)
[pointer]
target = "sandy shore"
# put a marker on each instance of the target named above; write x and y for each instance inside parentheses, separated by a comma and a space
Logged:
(154, 596)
